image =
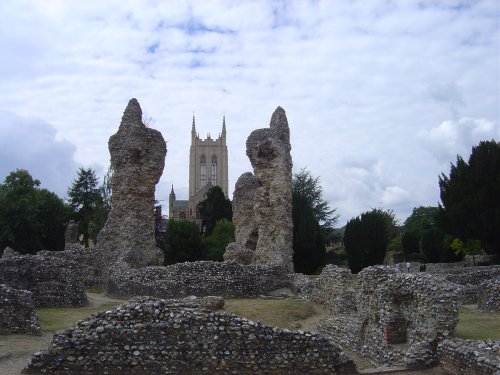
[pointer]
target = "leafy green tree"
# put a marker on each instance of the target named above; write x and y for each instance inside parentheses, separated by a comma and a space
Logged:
(312, 222)
(213, 208)
(31, 218)
(470, 247)
(470, 197)
(87, 204)
(215, 244)
(367, 236)
(182, 242)
(411, 242)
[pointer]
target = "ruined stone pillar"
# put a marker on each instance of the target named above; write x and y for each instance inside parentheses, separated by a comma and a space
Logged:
(245, 228)
(269, 152)
(137, 160)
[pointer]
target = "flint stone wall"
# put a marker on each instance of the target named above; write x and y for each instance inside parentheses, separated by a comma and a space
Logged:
(156, 337)
(205, 278)
(9, 252)
(470, 280)
(393, 308)
(17, 312)
(89, 261)
(470, 357)
(269, 153)
(53, 281)
(488, 298)
(137, 158)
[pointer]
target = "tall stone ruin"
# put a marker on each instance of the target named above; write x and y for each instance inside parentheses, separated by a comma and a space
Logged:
(269, 152)
(137, 159)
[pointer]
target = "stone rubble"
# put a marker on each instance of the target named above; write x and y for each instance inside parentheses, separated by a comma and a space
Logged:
(155, 336)
(488, 298)
(17, 312)
(137, 159)
(53, 281)
(9, 252)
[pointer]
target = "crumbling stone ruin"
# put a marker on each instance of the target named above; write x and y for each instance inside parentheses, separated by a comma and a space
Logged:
(388, 308)
(9, 252)
(17, 312)
(137, 159)
(53, 281)
(156, 336)
(245, 228)
(266, 228)
(71, 236)
(488, 297)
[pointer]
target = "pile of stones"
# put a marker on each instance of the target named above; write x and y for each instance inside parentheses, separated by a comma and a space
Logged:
(17, 312)
(52, 281)
(157, 336)
(204, 278)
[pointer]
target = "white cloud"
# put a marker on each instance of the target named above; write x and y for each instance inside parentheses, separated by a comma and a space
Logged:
(452, 138)
(359, 80)
(31, 145)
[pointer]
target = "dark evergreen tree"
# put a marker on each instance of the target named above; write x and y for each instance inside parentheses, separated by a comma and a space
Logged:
(31, 218)
(215, 244)
(182, 242)
(366, 238)
(213, 208)
(87, 204)
(470, 197)
(312, 222)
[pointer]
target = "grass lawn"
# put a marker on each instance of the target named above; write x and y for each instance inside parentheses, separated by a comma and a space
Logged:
(476, 325)
(58, 318)
(277, 313)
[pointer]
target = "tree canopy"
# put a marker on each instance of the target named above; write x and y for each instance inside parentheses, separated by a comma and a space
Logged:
(312, 222)
(31, 218)
(213, 208)
(215, 244)
(470, 197)
(366, 238)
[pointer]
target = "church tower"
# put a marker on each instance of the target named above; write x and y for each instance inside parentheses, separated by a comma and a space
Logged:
(208, 165)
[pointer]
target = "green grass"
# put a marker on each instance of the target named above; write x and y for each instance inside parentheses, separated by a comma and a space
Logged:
(277, 313)
(58, 318)
(476, 325)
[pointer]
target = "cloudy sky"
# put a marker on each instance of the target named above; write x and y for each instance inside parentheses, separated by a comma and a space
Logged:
(380, 95)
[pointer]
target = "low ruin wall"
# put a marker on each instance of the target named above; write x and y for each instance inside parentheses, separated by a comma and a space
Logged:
(17, 312)
(470, 357)
(53, 281)
(205, 278)
(155, 337)
(334, 288)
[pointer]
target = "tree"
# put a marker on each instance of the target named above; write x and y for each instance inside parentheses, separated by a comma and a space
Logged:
(470, 197)
(86, 203)
(312, 222)
(182, 242)
(470, 247)
(366, 238)
(215, 244)
(31, 218)
(213, 208)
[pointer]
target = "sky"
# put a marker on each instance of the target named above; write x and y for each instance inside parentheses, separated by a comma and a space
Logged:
(380, 96)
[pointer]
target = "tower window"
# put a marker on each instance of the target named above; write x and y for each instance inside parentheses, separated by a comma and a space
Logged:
(203, 171)
(214, 171)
